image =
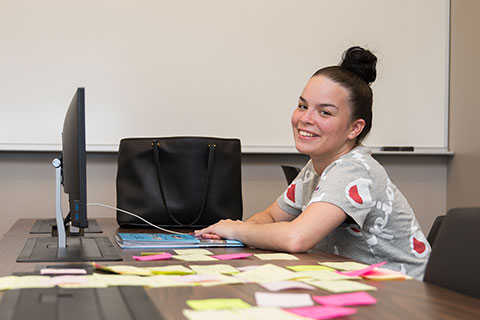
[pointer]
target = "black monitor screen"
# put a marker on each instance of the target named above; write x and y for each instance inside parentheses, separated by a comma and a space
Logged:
(74, 159)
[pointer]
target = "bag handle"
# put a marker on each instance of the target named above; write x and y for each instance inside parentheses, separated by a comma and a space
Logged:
(156, 156)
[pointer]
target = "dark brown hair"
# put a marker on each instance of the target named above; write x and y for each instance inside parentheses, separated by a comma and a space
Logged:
(356, 73)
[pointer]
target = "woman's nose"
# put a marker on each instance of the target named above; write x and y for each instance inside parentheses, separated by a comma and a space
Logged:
(307, 116)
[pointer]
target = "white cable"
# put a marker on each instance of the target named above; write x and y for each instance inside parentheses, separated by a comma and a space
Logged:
(134, 215)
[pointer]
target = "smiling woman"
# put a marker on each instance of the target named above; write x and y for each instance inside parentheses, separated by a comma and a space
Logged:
(342, 201)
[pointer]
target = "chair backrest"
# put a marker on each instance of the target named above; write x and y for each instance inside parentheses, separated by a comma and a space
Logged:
(434, 229)
(454, 262)
(290, 173)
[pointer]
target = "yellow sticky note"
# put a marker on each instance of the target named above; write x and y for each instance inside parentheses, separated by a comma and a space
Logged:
(7, 282)
(267, 313)
(266, 273)
(275, 256)
(32, 282)
(192, 251)
(338, 286)
(123, 269)
(91, 282)
(212, 314)
(217, 304)
(194, 257)
(150, 253)
(345, 265)
(308, 267)
(215, 268)
(324, 275)
(222, 280)
(242, 314)
(172, 269)
(163, 281)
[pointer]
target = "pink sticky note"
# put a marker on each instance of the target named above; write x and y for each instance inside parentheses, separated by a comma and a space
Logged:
(363, 271)
(232, 256)
(346, 299)
(162, 256)
(322, 312)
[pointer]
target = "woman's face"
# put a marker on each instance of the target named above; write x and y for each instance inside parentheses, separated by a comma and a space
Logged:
(322, 124)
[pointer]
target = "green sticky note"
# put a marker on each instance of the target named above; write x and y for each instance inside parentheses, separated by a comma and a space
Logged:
(339, 286)
(217, 304)
(309, 267)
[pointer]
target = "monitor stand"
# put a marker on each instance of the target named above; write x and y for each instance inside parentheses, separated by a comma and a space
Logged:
(77, 248)
(44, 226)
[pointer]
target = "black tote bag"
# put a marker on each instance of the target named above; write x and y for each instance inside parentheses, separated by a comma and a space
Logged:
(179, 181)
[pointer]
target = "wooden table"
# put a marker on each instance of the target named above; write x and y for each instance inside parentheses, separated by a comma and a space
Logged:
(409, 299)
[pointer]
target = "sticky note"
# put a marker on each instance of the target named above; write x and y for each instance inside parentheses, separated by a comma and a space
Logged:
(385, 274)
(194, 257)
(217, 304)
(283, 300)
(345, 265)
(215, 268)
(285, 285)
(275, 256)
(211, 314)
(153, 257)
(267, 313)
(242, 314)
(69, 280)
(346, 299)
(91, 282)
(128, 270)
(339, 286)
(231, 256)
(163, 281)
(51, 271)
(364, 270)
(323, 275)
(192, 251)
(309, 268)
(198, 278)
(266, 273)
(146, 253)
(322, 312)
(172, 269)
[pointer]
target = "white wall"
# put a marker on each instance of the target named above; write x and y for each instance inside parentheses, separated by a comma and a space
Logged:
(463, 171)
(163, 68)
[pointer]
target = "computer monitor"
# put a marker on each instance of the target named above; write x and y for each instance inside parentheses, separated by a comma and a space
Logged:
(74, 166)
(71, 173)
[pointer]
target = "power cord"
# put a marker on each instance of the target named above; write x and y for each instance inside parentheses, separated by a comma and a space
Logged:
(133, 215)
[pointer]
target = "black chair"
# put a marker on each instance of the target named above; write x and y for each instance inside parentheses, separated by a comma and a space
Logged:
(454, 262)
(290, 173)
(434, 229)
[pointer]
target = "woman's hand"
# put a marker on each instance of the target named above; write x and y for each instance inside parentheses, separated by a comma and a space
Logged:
(223, 229)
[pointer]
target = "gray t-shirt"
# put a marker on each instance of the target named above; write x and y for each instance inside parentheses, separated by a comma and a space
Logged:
(380, 226)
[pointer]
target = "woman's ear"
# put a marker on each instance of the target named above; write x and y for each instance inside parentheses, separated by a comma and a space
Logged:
(356, 128)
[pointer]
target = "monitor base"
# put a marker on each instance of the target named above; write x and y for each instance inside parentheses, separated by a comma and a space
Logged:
(78, 249)
(44, 226)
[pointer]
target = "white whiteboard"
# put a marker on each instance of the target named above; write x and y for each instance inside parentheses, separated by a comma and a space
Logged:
(214, 68)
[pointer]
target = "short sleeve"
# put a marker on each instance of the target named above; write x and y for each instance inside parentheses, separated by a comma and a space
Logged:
(347, 184)
(293, 199)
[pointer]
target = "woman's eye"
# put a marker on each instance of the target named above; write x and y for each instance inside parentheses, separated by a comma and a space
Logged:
(325, 112)
(301, 106)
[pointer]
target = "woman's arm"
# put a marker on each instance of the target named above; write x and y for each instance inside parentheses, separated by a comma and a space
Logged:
(297, 235)
(272, 214)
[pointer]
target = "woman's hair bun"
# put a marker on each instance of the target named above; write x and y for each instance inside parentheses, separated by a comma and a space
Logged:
(361, 62)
